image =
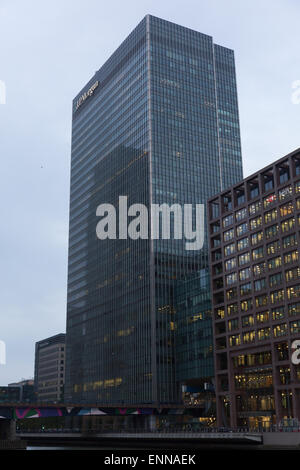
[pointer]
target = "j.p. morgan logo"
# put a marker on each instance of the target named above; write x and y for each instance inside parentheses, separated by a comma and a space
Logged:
(86, 95)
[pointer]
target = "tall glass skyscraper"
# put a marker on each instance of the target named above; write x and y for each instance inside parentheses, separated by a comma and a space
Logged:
(158, 123)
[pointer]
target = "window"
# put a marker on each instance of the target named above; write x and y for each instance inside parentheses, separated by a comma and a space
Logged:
(269, 200)
(229, 249)
(245, 288)
(291, 240)
(257, 237)
(280, 330)
(271, 231)
(230, 264)
(263, 333)
(292, 274)
(257, 253)
(241, 229)
(273, 247)
(271, 216)
(294, 309)
(249, 337)
(244, 258)
(228, 235)
(262, 317)
(275, 279)
(216, 242)
(277, 296)
(269, 182)
(297, 187)
(231, 279)
(256, 223)
(288, 224)
(235, 340)
(241, 214)
(284, 175)
(254, 191)
(287, 209)
(291, 257)
(233, 324)
(242, 243)
(254, 208)
(228, 220)
(259, 269)
(247, 321)
(293, 292)
(260, 284)
(285, 193)
(275, 263)
(231, 293)
(220, 313)
(232, 308)
(278, 313)
(261, 300)
(245, 274)
(295, 327)
(215, 210)
(246, 305)
(240, 199)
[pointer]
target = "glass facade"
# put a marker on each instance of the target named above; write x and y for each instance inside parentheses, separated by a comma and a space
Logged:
(194, 342)
(157, 123)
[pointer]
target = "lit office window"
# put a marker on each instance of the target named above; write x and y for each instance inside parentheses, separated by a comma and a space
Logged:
(254, 208)
(271, 231)
(257, 237)
(243, 244)
(262, 317)
(256, 223)
(280, 330)
(271, 216)
(269, 200)
(287, 209)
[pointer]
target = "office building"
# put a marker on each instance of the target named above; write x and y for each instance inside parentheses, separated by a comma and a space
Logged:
(49, 371)
(158, 123)
(10, 394)
(254, 243)
(27, 390)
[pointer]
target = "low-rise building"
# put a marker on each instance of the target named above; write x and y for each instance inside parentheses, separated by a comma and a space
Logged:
(49, 373)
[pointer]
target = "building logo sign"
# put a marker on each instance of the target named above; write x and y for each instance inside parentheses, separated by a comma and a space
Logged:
(86, 95)
(296, 352)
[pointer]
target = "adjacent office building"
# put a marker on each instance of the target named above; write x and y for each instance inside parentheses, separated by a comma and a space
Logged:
(27, 390)
(10, 394)
(157, 123)
(49, 371)
(255, 277)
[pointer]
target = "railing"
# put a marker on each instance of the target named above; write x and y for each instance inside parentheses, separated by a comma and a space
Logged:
(167, 429)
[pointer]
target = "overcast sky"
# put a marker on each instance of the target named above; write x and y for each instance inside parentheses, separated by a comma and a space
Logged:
(48, 51)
